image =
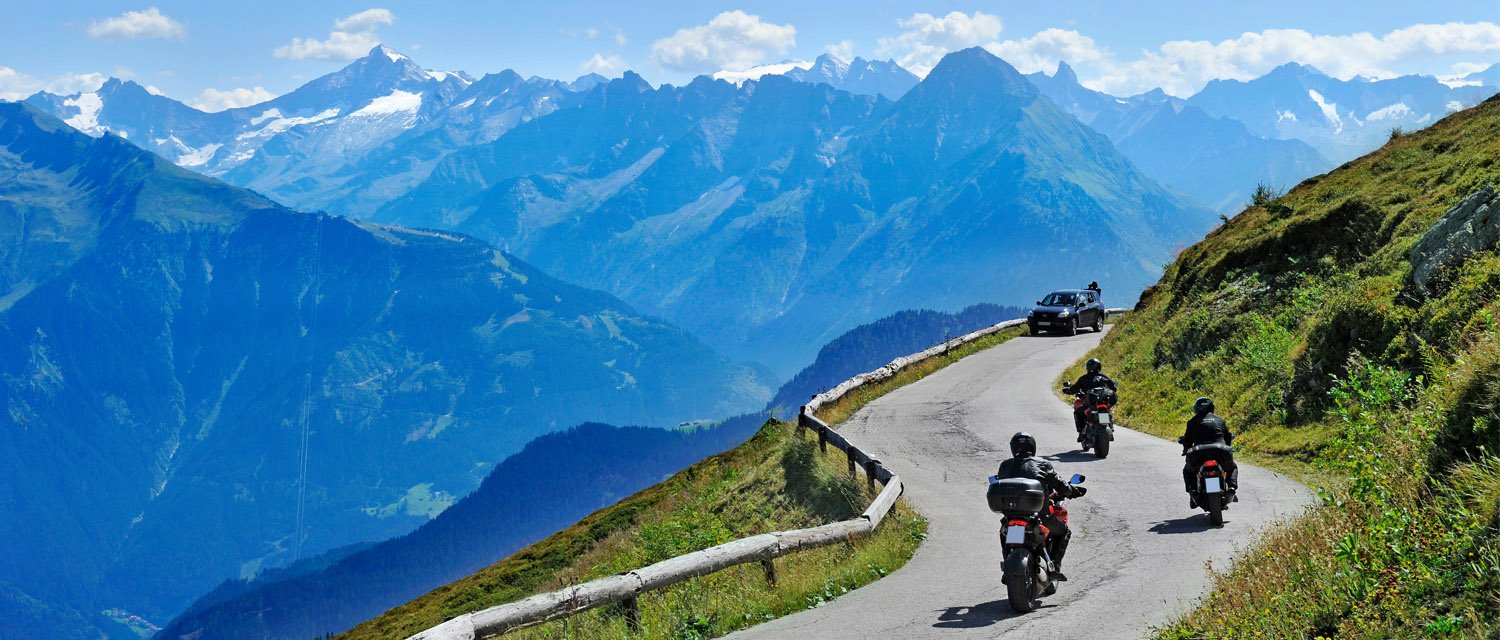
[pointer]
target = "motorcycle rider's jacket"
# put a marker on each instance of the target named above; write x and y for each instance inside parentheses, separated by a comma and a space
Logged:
(1090, 381)
(1040, 470)
(1208, 428)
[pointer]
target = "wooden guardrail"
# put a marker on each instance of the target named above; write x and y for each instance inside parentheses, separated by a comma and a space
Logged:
(623, 589)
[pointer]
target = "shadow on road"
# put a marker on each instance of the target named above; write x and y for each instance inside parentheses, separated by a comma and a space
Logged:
(1073, 456)
(1192, 524)
(979, 615)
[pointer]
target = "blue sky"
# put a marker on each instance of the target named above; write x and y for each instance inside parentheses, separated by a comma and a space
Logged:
(222, 53)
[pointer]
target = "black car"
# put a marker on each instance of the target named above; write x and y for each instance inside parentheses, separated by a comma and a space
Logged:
(1066, 310)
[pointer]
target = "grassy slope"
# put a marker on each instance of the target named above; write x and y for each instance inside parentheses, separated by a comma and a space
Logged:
(773, 482)
(1298, 317)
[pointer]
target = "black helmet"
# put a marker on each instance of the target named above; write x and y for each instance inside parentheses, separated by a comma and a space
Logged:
(1094, 365)
(1203, 405)
(1022, 445)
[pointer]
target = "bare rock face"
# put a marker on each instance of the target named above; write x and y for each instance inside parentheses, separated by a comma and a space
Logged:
(1468, 228)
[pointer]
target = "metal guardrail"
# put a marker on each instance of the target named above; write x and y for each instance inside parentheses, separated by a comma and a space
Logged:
(623, 589)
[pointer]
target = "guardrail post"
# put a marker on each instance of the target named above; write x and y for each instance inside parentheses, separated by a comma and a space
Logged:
(850, 457)
(770, 568)
(801, 421)
(870, 466)
(822, 439)
(632, 615)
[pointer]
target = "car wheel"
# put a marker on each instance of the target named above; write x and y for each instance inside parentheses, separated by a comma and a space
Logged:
(1073, 327)
(1099, 323)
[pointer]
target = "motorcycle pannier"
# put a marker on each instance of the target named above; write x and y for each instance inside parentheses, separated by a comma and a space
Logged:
(1016, 495)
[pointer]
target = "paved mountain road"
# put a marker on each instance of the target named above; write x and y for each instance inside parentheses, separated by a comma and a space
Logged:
(1138, 553)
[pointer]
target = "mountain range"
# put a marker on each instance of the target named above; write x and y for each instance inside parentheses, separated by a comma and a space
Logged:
(1216, 160)
(859, 76)
(1342, 119)
(666, 196)
(202, 383)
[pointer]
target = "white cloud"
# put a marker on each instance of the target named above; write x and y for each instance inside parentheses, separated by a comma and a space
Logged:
(1044, 50)
(603, 64)
(927, 38)
(15, 85)
(620, 39)
(151, 23)
(1182, 67)
(366, 20)
(843, 50)
(217, 100)
(731, 40)
(352, 37)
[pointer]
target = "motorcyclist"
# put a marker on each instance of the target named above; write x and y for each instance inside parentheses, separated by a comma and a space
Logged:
(1207, 438)
(1094, 287)
(1093, 378)
(1024, 463)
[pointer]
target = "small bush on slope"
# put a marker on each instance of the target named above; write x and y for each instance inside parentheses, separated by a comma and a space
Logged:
(1300, 318)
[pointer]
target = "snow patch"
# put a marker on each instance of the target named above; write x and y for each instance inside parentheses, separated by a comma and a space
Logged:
(399, 101)
(1459, 83)
(267, 115)
(1330, 111)
(465, 104)
(754, 73)
(1393, 112)
(1454, 105)
(282, 124)
(1286, 115)
(87, 120)
(200, 156)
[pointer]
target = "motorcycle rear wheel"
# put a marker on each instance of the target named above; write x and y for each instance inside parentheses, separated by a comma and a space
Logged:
(1019, 589)
(1215, 510)
(1101, 444)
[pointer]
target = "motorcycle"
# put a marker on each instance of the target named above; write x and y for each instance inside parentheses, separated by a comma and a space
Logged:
(1028, 567)
(1098, 421)
(1213, 493)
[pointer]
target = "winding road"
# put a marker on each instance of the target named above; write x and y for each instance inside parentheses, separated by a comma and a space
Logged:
(1138, 556)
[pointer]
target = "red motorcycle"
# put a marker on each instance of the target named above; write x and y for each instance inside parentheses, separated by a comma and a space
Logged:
(1028, 566)
(1098, 421)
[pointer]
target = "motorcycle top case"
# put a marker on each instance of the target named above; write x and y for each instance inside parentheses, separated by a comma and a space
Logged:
(1016, 495)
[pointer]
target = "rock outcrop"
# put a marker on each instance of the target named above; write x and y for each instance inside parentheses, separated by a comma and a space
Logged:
(1468, 228)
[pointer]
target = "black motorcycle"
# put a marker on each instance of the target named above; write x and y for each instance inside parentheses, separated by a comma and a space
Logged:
(1028, 567)
(1214, 492)
(1098, 420)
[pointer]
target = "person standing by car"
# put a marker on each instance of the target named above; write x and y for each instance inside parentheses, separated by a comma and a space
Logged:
(1207, 438)
(1092, 378)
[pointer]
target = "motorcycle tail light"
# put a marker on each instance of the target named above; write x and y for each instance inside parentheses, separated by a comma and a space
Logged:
(1102, 407)
(1211, 463)
(1017, 523)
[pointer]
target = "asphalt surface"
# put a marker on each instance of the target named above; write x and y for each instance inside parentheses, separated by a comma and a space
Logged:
(1139, 555)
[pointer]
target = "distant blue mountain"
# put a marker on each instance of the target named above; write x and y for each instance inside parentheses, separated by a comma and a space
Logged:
(771, 217)
(553, 482)
(1342, 119)
(1213, 159)
(202, 384)
(882, 78)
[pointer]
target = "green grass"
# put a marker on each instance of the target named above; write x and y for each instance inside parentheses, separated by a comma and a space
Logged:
(1299, 318)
